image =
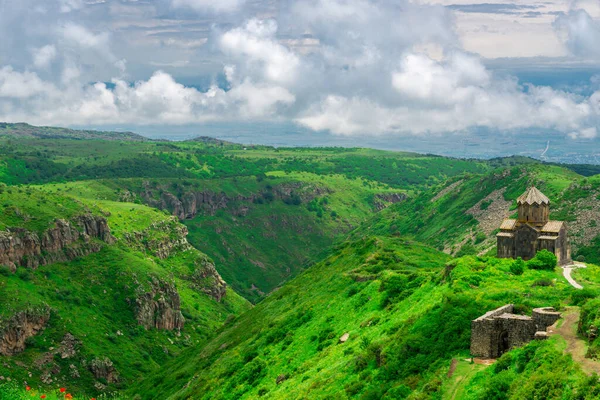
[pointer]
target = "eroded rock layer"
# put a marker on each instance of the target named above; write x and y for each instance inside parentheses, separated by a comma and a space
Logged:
(63, 242)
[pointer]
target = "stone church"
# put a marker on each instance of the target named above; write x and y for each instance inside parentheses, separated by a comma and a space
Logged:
(533, 231)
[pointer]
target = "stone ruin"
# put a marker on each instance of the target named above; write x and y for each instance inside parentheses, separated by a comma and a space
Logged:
(500, 330)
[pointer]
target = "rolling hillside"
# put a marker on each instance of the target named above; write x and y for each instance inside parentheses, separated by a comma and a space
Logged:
(381, 317)
(96, 294)
(127, 267)
(463, 215)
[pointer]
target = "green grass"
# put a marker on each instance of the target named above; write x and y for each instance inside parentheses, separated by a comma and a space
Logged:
(93, 297)
(398, 301)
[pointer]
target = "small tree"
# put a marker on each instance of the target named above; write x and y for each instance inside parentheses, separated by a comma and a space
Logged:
(518, 266)
(543, 260)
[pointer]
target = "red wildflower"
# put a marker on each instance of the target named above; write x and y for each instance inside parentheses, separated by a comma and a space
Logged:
(62, 390)
(43, 396)
(28, 388)
(68, 396)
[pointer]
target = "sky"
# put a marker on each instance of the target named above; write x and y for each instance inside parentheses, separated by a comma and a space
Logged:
(347, 68)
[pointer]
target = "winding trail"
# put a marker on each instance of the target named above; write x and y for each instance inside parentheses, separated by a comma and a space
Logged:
(567, 273)
(575, 346)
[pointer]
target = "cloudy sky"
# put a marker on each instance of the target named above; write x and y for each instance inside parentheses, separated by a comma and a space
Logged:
(343, 67)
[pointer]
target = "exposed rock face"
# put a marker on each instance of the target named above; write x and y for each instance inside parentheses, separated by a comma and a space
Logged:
(191, 203)
(161, 246)
(23, 325)
(63, 242)
(69, 346)
(383, 200)
(103, 368)
(160, 307)
(206, 279)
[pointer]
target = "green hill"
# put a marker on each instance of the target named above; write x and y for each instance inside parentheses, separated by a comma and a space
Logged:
(406, 309)
(123, 262)
(90, 295)
(463, 215)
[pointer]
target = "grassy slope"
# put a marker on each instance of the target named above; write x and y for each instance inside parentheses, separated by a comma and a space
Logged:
(92, 296)
(248, 260)
(443, 221)
(406, 312)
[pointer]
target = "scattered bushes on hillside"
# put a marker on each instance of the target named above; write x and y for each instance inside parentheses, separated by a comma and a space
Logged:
(518, 266)
(535, 371)
(543, 260)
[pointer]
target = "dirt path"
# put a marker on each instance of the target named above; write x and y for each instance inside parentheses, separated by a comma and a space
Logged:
(575, 346)
(567, 274)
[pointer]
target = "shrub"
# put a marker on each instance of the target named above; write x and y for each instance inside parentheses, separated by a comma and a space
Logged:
(5, 271)
(543, 260)
(580, 258)
(579, 297)
(543, 282)
(518, 266)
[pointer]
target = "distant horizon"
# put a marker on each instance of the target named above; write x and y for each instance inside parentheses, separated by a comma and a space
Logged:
(479, 144)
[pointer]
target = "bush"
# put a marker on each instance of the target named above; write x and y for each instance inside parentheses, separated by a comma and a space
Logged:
(543, 260)
(543, 282)
(518, 266)
(579, 297)
(5, 271)
(580, 258)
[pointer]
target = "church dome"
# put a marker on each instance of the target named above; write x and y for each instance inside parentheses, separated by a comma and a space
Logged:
(533, 196)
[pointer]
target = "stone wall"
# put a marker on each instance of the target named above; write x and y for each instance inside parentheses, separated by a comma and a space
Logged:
(534, 214)
(484, 331)
(499, 330)
(544, 317)
(506, 247)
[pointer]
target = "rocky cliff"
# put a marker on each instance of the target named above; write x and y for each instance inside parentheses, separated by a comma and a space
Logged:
(384, 200)
(15, 331)
(159, 307)
(188, 203)
(161, 239)
(206, 279)
(65, 241)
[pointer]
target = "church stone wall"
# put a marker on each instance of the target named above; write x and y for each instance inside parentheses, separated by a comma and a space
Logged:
(534, 214)
(526, 239)
(506, 247)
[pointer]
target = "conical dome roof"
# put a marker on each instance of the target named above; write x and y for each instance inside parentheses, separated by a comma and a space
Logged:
(533, 196)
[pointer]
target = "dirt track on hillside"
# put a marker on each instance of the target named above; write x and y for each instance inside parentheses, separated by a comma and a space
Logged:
(575, 346)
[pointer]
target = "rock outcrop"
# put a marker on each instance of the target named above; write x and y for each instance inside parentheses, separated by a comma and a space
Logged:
(206, 279)
(63, 242)
(161, 239)
(160, 307)
(69, 346)
(15, 331)
(384, 200)
(103, 368)
(190, 203)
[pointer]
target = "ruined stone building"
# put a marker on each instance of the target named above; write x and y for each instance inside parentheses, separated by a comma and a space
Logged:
(533, 231)
(500, 330)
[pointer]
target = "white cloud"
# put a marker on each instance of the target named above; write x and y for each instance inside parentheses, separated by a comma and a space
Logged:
(351, 67)
(67, 6)
(160, 99)
(580, 33)
(91, 45)
(17, 85)
(588, 133)
(454, 95)
(209, 5)
(80, 36)
(422, 78)
(255, 43)
(43, 57)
